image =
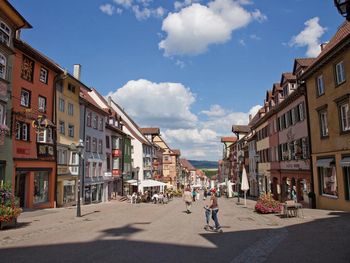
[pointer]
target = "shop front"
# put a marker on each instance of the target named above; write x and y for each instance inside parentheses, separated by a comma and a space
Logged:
(93, 193)
(35, 186)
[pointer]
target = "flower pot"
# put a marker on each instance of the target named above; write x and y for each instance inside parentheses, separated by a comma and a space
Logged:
(11, 223)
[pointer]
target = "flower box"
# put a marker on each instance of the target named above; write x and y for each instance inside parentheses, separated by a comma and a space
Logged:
(9, 208)
(10, 223)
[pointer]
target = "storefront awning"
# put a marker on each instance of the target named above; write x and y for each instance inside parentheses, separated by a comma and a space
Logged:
(326, 162)
(345, 162)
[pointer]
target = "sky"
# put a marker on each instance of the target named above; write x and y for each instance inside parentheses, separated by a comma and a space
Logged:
(193, 68)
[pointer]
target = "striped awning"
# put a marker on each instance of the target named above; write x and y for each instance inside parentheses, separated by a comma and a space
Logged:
(326, 162)
(345, 162)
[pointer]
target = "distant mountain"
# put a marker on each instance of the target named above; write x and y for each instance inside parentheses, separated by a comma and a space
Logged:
(204, 164)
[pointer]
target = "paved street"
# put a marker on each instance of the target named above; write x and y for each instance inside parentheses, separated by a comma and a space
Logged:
(122, 232)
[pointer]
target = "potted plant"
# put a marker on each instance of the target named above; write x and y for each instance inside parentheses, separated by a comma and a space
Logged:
(266, 204)
(9, 207)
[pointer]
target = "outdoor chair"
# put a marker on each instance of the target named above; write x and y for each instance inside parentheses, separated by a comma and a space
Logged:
(292, 208)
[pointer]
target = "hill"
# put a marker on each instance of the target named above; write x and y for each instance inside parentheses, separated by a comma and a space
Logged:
(204, 164)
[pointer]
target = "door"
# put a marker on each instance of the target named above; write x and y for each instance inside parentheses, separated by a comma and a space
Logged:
(20, 188)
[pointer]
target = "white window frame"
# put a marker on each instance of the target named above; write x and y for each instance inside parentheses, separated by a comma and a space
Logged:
(42, 104)
(324, 172)
(61, 104)
(2, 114)
(70, 109)
(344, 116)
(5, 29)
(340, 72)
(43, 75)
(324, 123)
(320, 85)
(3, 66)
(24, 132)
(25, 98)
(45, 136)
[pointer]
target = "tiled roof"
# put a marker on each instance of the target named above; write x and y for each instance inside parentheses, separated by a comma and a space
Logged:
(342, 34)
(84, 94)
(305, 62)
(152, 131)
(228, 139)
(241, 128)
(176, 152)
(287, 76)
(185, 163)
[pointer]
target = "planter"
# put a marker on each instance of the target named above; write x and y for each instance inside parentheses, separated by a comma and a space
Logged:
(11, 223)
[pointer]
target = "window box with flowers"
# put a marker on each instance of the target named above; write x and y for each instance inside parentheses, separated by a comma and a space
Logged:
(9, 207)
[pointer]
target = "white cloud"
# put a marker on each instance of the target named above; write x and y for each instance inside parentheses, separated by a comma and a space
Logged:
(124, 3)
(168, 106)
(107, 9)
(214, 111)
(180, 63)
(179, 5)
(310, 37)
(141, 14)
(191, 30)
(152, 103)
(242, 42)
(255, 37)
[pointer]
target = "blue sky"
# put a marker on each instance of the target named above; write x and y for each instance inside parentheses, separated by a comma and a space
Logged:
(192, 68)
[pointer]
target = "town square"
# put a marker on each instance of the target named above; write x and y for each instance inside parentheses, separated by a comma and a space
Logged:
(174, 131)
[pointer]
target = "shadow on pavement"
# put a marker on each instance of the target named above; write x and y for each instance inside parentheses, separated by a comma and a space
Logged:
(323, 240)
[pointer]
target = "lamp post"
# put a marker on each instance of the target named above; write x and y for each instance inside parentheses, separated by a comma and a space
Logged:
(79, 148)
(343, 7)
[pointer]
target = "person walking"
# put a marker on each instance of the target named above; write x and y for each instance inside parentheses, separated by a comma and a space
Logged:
(214, 209)
(194, 193)
(187, 197)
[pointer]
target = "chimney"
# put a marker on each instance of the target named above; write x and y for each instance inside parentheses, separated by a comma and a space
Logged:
(77, 71)
(109, 101)
(323, 45)
(250, 117)
(18, 34)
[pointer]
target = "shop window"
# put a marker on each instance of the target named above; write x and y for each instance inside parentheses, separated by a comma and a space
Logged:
(68, 191)
(328, 181)
(41, 187)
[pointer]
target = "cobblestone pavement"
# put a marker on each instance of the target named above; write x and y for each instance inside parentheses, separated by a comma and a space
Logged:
(124, 232)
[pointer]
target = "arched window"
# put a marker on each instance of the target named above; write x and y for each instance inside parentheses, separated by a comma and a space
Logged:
(2, 66)
(5, 33)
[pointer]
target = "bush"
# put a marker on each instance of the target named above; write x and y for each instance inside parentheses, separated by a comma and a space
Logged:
(9, 207)
(266, 204)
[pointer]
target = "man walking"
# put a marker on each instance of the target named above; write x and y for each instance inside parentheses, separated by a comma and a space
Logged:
(187, 197)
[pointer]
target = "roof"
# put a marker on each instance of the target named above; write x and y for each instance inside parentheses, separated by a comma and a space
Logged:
(150, 131)
(185, 163)
(84, 94)
(337, 40)
(228, 139)
(176, 151)
(240, 128)
(287, 76)
(9, 10)
(37, 55)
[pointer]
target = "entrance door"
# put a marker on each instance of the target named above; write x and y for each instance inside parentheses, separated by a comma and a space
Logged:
(20, 188)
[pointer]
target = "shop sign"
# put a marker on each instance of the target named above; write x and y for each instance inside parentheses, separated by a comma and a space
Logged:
(71, 182)
(116, 172)
(23, 151)
(116, 153)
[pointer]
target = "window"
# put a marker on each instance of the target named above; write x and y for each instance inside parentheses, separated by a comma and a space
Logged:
(100, 124)
(2, 114)
(100, 146)
(2, 66)
(285, 91)
(5, 34)
(100, 169)
(41, 187)
(347, 182)
(71, 130)
(108, 160)
(88, 143)
(328, 181)
(42, 104)
(87, 169)
(25, 98)
(88, 119)
(94, 145)
(305, 148)
(107, 142)
(344, 116)
(62, 157)
(95, 121)
(323, 123)
(61, 105)
(115, 163)
(43, 75)
(94, 169)
(340, 72)
(292, 113)
(45, 136)
(115, 143)
(70, 109)
(27, 70)
(320, 85)
(71, 87)
(301, 111)
(22, 131)
(62, 127)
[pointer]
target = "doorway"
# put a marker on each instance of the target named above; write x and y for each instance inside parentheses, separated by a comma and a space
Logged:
(20, 188)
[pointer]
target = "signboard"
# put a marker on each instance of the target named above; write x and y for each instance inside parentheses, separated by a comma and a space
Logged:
(70, 182)
(116, 153)
(115, 172)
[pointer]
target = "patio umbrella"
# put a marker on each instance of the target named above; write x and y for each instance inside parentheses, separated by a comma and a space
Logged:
(245, 185)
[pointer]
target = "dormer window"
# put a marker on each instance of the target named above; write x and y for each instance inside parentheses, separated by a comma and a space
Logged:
(285, 91)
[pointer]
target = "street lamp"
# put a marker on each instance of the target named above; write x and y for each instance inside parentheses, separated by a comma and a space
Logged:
(79, 148)
(343, 7)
